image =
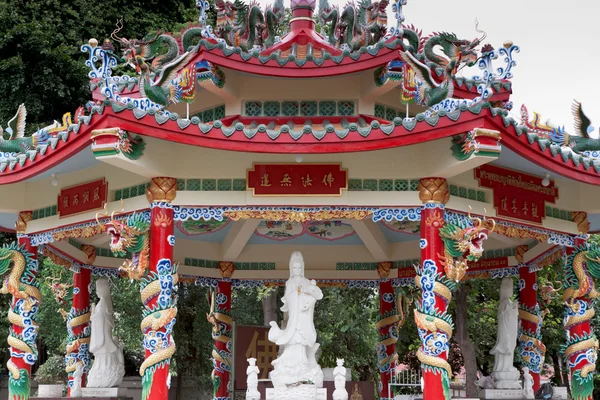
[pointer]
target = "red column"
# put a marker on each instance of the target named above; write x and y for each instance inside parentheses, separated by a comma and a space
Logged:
(580, 335)
(158, 341)
(78, 349)
(433, 353)
(23, 333)
(531, 348)
(221, 333)
(387, 329)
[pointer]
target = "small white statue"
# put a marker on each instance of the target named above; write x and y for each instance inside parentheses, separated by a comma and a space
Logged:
(339, 379)
(527, 384)
(506, 376)
(77, 374)
(108, 369)
(252, 371)
(297, 362)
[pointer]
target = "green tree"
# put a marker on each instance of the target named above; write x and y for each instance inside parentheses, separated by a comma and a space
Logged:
(42, 65)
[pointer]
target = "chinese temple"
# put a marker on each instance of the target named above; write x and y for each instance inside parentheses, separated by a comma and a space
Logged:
(363, 145)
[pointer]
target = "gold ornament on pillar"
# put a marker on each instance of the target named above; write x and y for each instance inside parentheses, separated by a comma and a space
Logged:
(226, 268)
(383, 269)
(162, 189)
(433, 190)
(22, 220)
(520, 253)
(581, 219)
(90, 253)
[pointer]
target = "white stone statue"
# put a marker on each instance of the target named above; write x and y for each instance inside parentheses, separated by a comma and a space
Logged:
(77, 374)
(108, 368)
(506, 376)
(297, 363)
(252, 371)
(339, 380)
(527, 384)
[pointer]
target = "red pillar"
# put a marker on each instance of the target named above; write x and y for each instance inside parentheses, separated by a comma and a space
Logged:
(531, 348)
(158, 341)
(580, 335)
(78, 349)
(23, 334)
(221, 333)
(387, 329)
(433, 353)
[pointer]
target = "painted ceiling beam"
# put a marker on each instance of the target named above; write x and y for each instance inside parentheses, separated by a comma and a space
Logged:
(373, 238)
(237, 238)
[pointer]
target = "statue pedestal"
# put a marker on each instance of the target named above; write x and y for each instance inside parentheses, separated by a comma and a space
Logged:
(104, 392)
(506, 394)
(301, 392)
(507, 380)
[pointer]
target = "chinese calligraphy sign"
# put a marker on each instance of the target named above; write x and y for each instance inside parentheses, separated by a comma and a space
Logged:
(82, 198)
(253, 342)
(297, 179)
(517, 195)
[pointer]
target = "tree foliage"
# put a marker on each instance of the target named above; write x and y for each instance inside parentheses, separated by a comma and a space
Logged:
(42, 65)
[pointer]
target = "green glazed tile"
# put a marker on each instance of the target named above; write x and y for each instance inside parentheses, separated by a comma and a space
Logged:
(224, 185)
(193, 185)
(370, 184)
(239, 185)
(401, 185)
(209, 185)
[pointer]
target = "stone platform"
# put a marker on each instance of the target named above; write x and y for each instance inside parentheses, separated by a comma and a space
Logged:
(505, 394)
(302, 392)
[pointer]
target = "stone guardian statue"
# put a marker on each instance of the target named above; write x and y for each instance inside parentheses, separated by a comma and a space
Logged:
(297, 362)
(505, 375)
(339, 379)
(252, 371)
(108, 368)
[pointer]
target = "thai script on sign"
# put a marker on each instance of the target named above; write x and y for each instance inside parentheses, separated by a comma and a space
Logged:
(517, 195)
(518, 182)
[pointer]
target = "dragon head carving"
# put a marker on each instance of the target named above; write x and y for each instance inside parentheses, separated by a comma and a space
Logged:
(463, 244)
(130, 235)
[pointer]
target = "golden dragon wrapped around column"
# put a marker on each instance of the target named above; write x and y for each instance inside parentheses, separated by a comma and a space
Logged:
(581, 349)
(21, 282)
(461, 243)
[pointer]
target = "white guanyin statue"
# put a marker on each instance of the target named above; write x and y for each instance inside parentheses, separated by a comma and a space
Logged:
(339, 380)
(252, 371)
(76, 388)
(506, 376)
(297, 362)
(108, 368)
(527, 384)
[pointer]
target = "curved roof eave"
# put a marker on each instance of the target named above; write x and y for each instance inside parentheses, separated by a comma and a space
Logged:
(235, 136)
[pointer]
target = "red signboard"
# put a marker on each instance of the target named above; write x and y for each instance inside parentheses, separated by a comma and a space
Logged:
(517, 195)
(487, 265)
(253, 342)
(82, 198)
(297, 179)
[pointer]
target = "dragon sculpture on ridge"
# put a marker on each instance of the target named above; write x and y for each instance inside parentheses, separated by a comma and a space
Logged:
(245, 25)
(456, 54)
(356, 25)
